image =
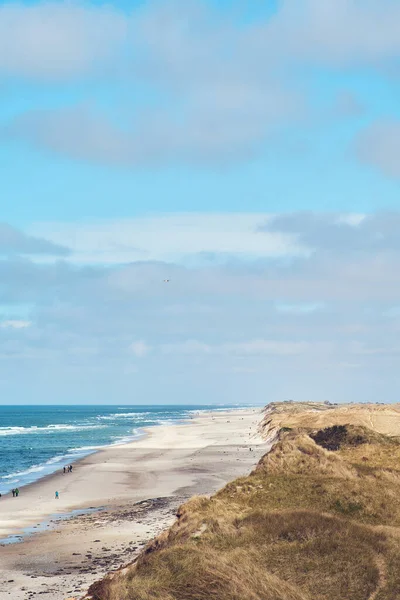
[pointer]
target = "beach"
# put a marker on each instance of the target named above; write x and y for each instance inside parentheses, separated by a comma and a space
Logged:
(132, 491)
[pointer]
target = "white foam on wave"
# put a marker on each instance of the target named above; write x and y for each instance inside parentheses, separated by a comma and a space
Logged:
(55, 460)
(59, 428)
(131, 415)
(52, 465)
(136, 433)
(85, 448)
(33, 469)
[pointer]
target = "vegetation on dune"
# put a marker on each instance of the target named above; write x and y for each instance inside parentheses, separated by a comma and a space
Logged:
(382, 418)
(317, 519)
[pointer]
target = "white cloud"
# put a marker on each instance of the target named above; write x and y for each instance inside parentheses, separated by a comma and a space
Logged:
(257, 347)
(15, 242)
(190, 347)
(188, 44)
(336, 233)
(203, 133)
(338, 32)
(299, 309)
(362, 349)
(58, 40)
(267, 347)
(140, 349)
(15, 324)
(171, 237)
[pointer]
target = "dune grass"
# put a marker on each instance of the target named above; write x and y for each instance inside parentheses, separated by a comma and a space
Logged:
(308, 524)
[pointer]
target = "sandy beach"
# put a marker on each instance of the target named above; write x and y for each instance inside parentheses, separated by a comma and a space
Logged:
(137, 486)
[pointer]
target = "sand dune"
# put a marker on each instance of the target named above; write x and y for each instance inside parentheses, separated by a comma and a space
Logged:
(318, 519)
(382, 418)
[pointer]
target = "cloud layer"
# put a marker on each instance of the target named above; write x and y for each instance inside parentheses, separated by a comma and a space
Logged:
(322, 324)
(224, 89)
(199, 237)
(58, 41)
(13, 241)
(338, 234)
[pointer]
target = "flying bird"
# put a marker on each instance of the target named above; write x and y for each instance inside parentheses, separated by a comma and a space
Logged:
(166, 280)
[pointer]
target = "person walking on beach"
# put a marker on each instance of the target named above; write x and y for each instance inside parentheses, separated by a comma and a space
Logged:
(17, 492)
(13, 492)
(65, 469)
(57, 495)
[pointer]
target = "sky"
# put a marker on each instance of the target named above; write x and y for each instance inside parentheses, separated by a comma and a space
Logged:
(249, 153)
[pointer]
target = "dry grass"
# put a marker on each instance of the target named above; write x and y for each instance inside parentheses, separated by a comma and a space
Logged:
(381, 418)
(190, 573)
(307, 524)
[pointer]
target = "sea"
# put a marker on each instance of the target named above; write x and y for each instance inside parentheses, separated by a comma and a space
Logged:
(36, 441)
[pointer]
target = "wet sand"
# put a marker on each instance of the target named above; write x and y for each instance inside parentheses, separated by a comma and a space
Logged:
(138, 486)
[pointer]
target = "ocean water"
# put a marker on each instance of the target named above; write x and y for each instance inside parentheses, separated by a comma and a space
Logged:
(38, 440)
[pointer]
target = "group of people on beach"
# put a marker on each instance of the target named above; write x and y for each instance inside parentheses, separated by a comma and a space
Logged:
(15, 491)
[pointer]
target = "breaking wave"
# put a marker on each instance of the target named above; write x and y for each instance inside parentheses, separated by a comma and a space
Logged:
(48, 429)
(133, 416)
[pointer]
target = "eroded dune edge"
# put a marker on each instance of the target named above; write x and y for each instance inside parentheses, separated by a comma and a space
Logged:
(318, 518)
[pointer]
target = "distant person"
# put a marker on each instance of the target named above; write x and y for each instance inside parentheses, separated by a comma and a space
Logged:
(65, 469)
(17, 492)
(57, 495)
(70, 468)
(13, 493)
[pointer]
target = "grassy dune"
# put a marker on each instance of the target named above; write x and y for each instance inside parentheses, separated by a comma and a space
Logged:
(318, 519)
(383, 418)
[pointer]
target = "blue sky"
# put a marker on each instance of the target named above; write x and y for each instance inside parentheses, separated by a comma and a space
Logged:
(219, 144)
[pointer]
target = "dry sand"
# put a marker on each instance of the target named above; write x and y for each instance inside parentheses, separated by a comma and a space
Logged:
(140, 485)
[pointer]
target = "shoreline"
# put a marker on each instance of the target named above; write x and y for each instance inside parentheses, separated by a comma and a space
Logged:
(140, 485)
(59, 478)
(142, 432)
